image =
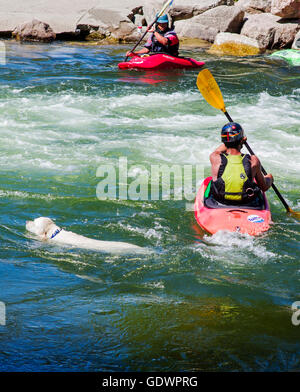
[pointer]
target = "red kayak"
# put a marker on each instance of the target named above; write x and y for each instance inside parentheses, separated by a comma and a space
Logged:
(160, 61)
(213, 216)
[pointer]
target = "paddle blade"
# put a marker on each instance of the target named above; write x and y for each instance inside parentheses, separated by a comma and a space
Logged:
(295, 214)
(166, 5)
(210, 90)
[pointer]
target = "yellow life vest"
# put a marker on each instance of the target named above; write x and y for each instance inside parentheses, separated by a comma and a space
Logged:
(234, 182)
(234, 177)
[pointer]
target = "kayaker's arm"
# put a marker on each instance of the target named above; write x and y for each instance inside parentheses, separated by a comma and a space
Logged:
(263, 181)
(162, 40)
(141, 51)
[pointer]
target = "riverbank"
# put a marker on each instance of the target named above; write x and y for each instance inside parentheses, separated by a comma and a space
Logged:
(262, 24)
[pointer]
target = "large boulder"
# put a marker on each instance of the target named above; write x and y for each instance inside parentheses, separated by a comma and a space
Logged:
(235, 45)
(187, 9)
(34, 31)
(285, 33)
(270, 30)
(286, 8)
(207, 25)
(254, 6)
(109, 23)
(196, 30)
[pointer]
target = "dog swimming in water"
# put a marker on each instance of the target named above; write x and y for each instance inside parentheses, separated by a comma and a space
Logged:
(46, 229)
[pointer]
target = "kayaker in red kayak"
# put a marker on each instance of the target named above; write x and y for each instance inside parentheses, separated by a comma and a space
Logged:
(163, 39)
(233, 173)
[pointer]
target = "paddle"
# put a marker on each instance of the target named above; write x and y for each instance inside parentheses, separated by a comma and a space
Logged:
(166, 5)
(210, 90)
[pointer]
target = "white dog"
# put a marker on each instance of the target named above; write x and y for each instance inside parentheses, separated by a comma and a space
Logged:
(46, 229)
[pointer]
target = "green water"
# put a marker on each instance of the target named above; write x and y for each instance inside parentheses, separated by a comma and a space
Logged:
(195, 302)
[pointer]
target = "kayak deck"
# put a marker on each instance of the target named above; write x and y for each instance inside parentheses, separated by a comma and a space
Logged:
(292, 56)
(160, 61)
(234, 218)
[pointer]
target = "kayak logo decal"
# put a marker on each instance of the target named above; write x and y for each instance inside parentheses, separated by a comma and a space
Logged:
(255, 219)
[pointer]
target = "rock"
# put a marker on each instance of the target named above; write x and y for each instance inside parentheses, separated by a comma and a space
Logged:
(139, 20)
(261, 27)
(110, 23)
(207, 25)
(235, 45)
(180, 13)
(296, 43)
(134, 12)
(270, 31)
(150, 10)
(34, 31)
(186, 10)
(195, 30)
(254, 6)
(286, 8)
(285, 33)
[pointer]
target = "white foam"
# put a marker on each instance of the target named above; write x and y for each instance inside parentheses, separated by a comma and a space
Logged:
(83, 128)
(235, 249)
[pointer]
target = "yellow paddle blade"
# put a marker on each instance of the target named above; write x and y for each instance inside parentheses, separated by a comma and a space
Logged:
(210, 90)
(295, 214)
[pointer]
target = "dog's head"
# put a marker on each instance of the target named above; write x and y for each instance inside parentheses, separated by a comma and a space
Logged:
(43, 227)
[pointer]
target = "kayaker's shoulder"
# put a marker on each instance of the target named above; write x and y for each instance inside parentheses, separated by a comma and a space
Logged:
(222, 149)
(215, 155)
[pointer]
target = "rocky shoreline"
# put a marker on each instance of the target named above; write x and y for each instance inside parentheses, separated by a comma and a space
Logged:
(244, 27)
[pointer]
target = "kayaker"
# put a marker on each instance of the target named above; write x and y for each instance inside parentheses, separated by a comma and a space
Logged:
(163, 39)
(233, 173)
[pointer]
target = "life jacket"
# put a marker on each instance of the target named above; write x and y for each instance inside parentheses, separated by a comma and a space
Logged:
(173, 43)
(234, 182)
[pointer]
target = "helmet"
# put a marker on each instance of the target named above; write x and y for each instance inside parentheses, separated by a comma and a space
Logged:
(232, 133)
(163, 19)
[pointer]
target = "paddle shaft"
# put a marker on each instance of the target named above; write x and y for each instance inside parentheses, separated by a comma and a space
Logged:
(263, 170)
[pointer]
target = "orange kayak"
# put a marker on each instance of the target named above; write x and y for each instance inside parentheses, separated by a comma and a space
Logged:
(242, 219)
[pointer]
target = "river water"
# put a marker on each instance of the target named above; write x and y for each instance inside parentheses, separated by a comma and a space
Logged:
(194, 302)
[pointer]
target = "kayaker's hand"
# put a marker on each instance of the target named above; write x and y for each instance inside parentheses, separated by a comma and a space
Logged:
(129, 54)
(244, 140)
(151, 30)
(270, 177)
